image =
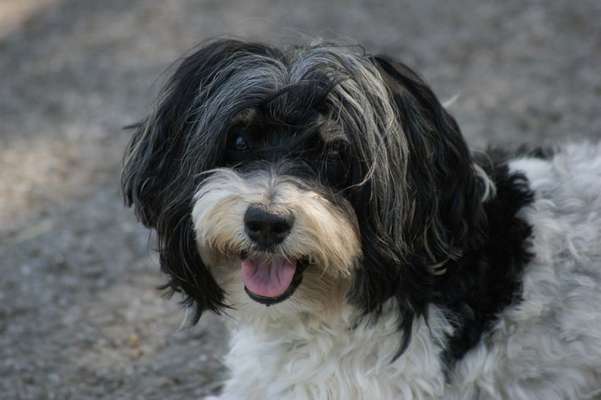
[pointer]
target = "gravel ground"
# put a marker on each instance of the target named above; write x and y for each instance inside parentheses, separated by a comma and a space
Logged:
(80, 316)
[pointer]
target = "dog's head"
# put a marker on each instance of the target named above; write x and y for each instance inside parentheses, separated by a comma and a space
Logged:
(302, 177)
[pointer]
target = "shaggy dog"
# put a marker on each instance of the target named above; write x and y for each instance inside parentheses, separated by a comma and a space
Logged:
(325, 201)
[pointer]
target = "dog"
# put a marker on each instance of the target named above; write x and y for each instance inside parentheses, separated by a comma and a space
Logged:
(324, 201)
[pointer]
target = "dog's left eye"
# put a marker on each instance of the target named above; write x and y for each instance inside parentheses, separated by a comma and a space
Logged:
(336, 149)
(240, 144)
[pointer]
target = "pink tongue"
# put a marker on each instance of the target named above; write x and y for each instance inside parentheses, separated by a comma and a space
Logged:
(268, 278)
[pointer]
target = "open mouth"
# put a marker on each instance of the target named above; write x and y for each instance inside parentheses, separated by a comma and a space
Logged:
(271, 280)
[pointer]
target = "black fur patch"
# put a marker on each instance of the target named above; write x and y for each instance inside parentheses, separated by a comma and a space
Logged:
(488, 278)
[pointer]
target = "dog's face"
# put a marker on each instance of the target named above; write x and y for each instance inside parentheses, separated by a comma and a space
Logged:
(301, 179)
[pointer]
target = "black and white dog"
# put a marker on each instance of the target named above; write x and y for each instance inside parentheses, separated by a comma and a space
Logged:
(325, 201)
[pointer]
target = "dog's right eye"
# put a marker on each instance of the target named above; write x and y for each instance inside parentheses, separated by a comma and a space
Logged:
(238, 140)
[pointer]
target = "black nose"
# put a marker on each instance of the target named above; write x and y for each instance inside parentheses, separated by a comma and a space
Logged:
(265, 228)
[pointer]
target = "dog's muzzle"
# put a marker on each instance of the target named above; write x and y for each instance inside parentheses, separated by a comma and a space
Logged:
(269, 278)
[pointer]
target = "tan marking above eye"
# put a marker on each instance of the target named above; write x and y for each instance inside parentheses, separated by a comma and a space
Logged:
(329, 129)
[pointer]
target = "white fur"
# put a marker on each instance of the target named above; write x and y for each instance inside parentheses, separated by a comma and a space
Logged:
(548, 346)
(306, 357)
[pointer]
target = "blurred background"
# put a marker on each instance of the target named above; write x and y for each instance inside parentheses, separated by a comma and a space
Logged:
(80, 316)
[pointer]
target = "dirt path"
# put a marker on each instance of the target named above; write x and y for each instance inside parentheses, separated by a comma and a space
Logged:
(79, 314)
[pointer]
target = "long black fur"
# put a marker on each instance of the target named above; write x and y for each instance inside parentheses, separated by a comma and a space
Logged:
(479, 285)
(162, 170)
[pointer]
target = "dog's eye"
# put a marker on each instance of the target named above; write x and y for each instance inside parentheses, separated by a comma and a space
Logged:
(238, 140)
(240, 144)
(336, 149)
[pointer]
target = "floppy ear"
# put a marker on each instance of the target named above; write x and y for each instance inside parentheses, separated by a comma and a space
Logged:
(153, 159)
(163, 165)
(443, 214)
(445, 189)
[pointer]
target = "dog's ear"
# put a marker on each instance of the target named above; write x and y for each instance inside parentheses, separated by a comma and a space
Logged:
(445, 189)
(164, 162)
(443, 213)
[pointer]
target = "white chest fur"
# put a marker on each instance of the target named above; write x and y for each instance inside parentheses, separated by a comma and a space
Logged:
(305, 358)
